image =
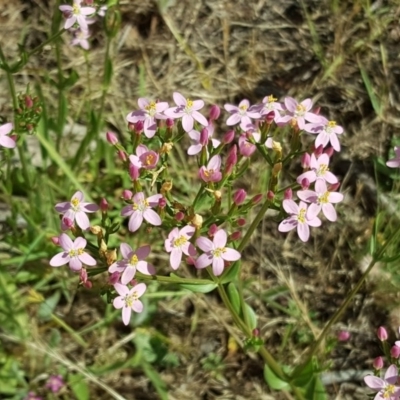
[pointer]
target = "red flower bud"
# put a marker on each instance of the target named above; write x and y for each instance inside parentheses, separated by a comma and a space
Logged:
(127, 194)
(239, 197)
(212, 230)
(215, 112)
(343, 336)
(378, 363)
(111, 138)
(228, 137)
(382, 334)
(288, 194)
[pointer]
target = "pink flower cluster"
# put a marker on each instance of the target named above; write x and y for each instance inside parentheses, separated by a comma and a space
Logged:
(76, 20)
(388, 387)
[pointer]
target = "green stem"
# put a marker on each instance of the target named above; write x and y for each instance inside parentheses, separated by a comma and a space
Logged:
(346, 303)
(38, 48)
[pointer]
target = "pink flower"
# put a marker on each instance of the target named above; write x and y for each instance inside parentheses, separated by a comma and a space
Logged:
(241, 114)
(76, 13)
(298, 218)
(215, 252)
(148, 158)
(73, 253)
(75, 210)
(142, 209)
(297, 113)
(319, 170)
(270, 104)
(385, 387)
(212, 172)
(55, 383)
(321, 198)
(327, 132)
(149, 112)
(81, 39)
(6, 141)
(178, 243)
(392, 163)
(128, 300)
(188, 110)
(132, 261)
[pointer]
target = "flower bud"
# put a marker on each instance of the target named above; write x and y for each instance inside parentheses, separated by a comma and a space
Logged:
(395, 351)
(122, 155)
(55, 240)
(134, 172)
(236, 235)
(138, 127)
(288, 194)
(316, 110)
(162, 203)
(246, 149)
(197, 221)
(103, 205)
(378, 363)
(318, 151)
(191, 261)
(114, 278)
(215, 112)
(334, 187)
(329, 151)
(212, 230)
(239, 197)
(241, 222)
(88, 284)
(111, 138)
(231, 159)
(270, 195)
(256, 332)
(127, 194)
(67, 223)
(28, 101)
(343, 336)
(169, 122)
(305, 160)
(270, 117)
(228, 137)
(83, 276)
(257, 198)
(204, 137)
(305, 184)
(112, 22)
(179, 216)
(382, 334)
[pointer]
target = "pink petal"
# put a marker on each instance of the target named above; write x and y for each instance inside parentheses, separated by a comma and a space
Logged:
(307, 103)
(128, 275)
(116, 267)
(391, 374)
(197, 105)
(63, 207)
(188, 231)
(89, 207)
(126, 315)
(118, 302)
(192, 150)
(127, 211)
(135, 221)
(145, 268)
(122, 290)
(204, 261)
(320, 186)
(287, 224)
(230, 254)
(313, 211)
(187, 123)
(161, 106)
(218, 266)
(65, 8)
(330, 178)
(142, 252)
(125, 250)
(374, 382)
(137, 306)
(70, 22)
(200, 118)
(7, 142)
(233, 119)
(152, 217)
(143, 102)
(80, 243)
(335, 142)
(315, 222)
(87, 259)
(65, 242)
(290, 206)
(75, 264)
(335, 197)
(138, 197)
(220, 239)
(310, 175)
(179, 99)
(175, 257)
(139, 289)
(307, 195)
(214, 163)
(87, 10)
(60, 259)
(174, 112)
(303, 231)
(329, 212)
(153, 200)
(231, 108)
(82, 220)
(322, 139)
(204, 244)
(290, 104)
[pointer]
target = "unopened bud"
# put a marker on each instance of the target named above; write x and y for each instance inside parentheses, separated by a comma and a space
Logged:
(316, 110)
(179, 216)
(329, 151)
(256, 332)
(270, 117)
(114, 278)
(257, 198)
(28, 101)
(169, 122)
(343, 336)
(67, 223)
(112, 22)
(241, 222)
(288, 194)
(88, 284)
(83, 275)
(96, 229)
(212, 230)
(204, 137)
(382, 334)
(239, 197)
(334, 187)
(166, 187)
(162, 202)
(305, 184)
(138, 127)
(55, 240)
(395, 351)
(122, 155)
(127, 194)
(215, 112)
(103, 205)
(191, 261)
(318, 151)
(236, 235)
(111, 138)
(270, 195)
(228, 137)
(305, 160)
(378, 363)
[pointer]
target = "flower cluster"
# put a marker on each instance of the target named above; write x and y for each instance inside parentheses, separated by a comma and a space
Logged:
(202, 232)
(78, 17)
(388, 387)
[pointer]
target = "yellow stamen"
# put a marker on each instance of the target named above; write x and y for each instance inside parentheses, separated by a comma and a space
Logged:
(302, 215)
(180, 241)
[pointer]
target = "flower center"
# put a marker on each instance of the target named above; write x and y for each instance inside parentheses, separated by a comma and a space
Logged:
(300, 110)
(218, 251)
(150, 159)
(301, 217)
(133, 261)
(75, 252)
(180, 241)
(189, 105)
(151, 108)
(330, 126)
(208, 172)
(76, 9)
(142, 206)
(75, 203)
(323, 168)
(243, 109)
(271, 99)
(130, 299)
(323, 198)
(388, 391)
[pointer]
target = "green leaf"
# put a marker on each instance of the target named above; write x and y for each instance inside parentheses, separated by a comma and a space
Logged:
(71, 80)
(234, 297)
(231, 273)
(207, 288)
(316, 390)
(305, 375)
(156, 380)
(273, 381)
(251, 315)
(47, 308)
(79, 387)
